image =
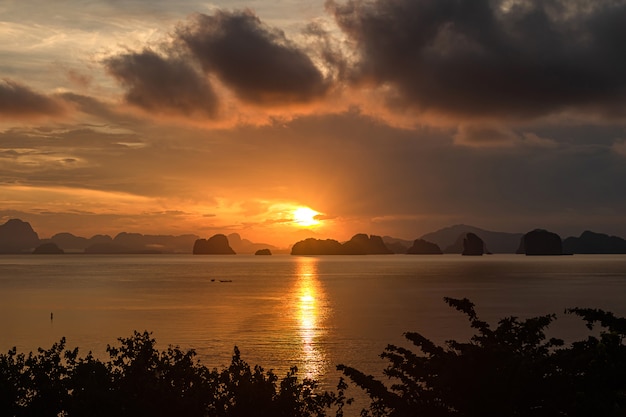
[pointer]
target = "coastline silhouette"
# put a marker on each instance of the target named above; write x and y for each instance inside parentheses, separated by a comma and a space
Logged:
(18, 237)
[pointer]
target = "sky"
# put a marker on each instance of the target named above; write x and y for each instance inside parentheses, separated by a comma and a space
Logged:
(387, 117)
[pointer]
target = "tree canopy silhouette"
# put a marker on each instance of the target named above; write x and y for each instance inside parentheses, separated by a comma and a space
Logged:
(512, 369)
(509, 370)
(140, 380)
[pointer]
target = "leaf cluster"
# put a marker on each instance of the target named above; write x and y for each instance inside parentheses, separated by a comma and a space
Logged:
(509, 370)
(140, 380)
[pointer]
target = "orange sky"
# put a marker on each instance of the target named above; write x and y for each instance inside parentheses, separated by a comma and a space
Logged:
(391, 118)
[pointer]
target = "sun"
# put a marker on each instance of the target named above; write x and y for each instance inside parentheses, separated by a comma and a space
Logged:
(305, 217)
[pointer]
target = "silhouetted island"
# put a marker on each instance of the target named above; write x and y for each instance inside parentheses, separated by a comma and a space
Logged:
(541, 242)
(241, 245)
(140, 243)
(473, 245)
(397, 245)
(263, 252)
(359, 244)
(17, 236)
(312, 246)
(215, 245)
(48, 249)
(423, 247)
(450, 239)
(68, 241)
(594, 243)
(362, 244)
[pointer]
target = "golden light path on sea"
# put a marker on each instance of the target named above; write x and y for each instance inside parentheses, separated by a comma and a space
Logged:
(310, 315)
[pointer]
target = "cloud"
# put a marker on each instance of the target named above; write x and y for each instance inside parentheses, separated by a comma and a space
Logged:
(162, 84)
(87, 105)
(485, 136)
(517, 59)
(534, 140)
(257, 62)
(19, 101)
(493, 135)
(78, 78)
(619, 148)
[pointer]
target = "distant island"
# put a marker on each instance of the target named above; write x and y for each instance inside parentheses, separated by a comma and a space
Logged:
(359, 244)
(473, 245)
(541, 242)
(48, 249)
(424, 247)
(594, 243)
(215, 245)
(450, 239)
(18, 237)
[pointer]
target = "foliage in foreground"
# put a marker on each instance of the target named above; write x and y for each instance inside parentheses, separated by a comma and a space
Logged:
(140, 380)
(510, 370)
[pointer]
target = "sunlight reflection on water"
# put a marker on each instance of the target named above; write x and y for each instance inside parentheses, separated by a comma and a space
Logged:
(310, 294)
(283, 311)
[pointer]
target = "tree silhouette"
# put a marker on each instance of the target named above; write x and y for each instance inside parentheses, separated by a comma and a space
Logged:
(511, 370)
(140, 380)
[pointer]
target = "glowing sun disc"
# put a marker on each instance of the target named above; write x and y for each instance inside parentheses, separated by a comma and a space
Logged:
(305, 217)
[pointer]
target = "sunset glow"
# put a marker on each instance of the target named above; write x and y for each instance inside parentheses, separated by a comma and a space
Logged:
(305, 217)
(146, 117)
(308, 180)
(310, 316)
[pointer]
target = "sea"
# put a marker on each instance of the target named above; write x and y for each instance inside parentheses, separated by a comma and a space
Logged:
(312, 312)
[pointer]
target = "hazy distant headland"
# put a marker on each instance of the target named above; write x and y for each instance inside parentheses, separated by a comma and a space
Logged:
(360, 244)
(18, 237)
(424, 247)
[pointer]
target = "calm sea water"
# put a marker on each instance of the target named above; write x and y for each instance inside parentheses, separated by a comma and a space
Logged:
(281, 311)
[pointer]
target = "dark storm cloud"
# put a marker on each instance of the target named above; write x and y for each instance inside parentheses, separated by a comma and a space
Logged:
(17, 100)
(257, 62)
(162, 84)
(518, 58)
(92, 106)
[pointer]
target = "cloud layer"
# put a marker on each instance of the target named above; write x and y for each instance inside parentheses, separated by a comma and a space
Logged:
(19, 101)
(506, 61)
(387, 116)
(162, 84)
(259, 63)
(230, 52)
(514, 59)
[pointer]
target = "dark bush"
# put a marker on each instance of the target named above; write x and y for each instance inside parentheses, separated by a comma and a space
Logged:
(140, 380)
(511, 370)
